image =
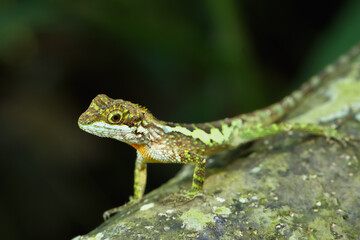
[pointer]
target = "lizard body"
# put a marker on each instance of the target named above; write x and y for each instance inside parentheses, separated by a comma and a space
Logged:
(158, 141)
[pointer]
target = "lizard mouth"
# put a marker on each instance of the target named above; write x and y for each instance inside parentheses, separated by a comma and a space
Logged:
(93, 129)
(102, 129)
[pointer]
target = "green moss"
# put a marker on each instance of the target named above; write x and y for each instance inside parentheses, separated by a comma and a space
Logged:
(296, 187)
(224, 211)
(342, 95)
(195, 219)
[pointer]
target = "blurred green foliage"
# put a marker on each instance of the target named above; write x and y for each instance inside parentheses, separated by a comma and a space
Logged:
(187, 61)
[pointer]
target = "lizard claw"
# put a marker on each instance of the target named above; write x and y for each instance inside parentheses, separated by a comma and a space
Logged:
(107, 214)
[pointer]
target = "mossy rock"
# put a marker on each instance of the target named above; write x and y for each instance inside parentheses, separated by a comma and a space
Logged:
(289, 186)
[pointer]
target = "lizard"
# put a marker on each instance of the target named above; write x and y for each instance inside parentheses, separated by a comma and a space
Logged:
(158, 141)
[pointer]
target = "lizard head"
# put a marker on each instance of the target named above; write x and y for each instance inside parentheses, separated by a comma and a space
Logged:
(116, 118)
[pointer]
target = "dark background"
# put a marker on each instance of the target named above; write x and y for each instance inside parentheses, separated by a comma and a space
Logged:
(187, 61)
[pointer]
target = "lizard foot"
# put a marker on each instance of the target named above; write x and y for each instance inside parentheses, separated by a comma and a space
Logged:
(344, 140)
(107, 214)
(182, 197)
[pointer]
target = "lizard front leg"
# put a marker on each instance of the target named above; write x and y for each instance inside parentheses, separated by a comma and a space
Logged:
(139, 185)
(140, 174)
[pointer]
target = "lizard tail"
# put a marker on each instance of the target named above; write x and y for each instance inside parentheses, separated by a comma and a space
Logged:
(278, 110)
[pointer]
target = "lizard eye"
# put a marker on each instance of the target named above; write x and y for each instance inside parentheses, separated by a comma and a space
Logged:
(115, 117)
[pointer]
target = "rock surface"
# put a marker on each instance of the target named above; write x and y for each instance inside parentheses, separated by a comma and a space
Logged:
(290, 186)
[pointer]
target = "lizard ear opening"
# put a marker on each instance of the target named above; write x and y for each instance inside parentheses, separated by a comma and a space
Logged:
(115, 117)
